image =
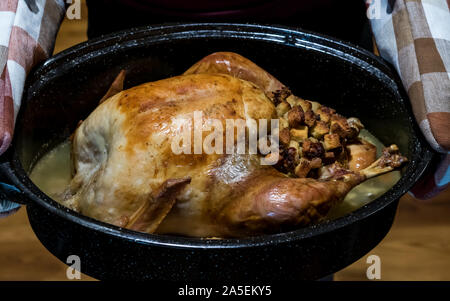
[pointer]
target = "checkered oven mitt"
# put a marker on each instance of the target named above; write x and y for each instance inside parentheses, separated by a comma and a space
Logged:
(414, 36)
(27, 34)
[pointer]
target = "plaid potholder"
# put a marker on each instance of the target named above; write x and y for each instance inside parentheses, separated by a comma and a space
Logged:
(27, 34)
(414, 36)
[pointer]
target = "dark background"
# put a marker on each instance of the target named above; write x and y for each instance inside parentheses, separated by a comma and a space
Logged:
(342, 19)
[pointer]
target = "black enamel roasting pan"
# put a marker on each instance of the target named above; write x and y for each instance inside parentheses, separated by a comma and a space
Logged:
(66, 88)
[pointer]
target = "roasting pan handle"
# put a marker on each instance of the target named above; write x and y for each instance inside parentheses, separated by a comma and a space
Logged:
(10, 196)
(7, 206)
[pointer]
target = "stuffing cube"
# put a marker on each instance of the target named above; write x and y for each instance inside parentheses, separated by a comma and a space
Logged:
(293, 100)
(299, 134)
(325, 113)
(320, 129)
(294, 144)
(331, 141)
(303, 168)
(297, 101)
(315, 106)
(305, 104)
(340, 126)
(285, 136)
(283, 123)
(296, 117)
(282, 108)
(280, 95)
(312, 149)
(310, 118)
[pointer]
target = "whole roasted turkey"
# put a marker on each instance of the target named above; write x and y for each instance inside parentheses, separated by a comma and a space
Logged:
(126, 173)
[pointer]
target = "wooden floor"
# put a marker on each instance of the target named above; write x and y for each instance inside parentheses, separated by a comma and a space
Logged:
(416, 248)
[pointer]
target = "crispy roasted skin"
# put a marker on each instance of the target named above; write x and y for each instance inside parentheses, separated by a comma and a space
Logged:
(361, 155)
(123, 160)
(240, 67)
(122, 151)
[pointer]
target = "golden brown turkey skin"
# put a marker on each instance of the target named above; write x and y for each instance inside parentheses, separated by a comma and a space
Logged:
(122, 152)
(273, 203)
(237, 66)
(361, 155)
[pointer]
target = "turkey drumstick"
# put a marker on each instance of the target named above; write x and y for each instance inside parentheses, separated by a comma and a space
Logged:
(274, 203)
